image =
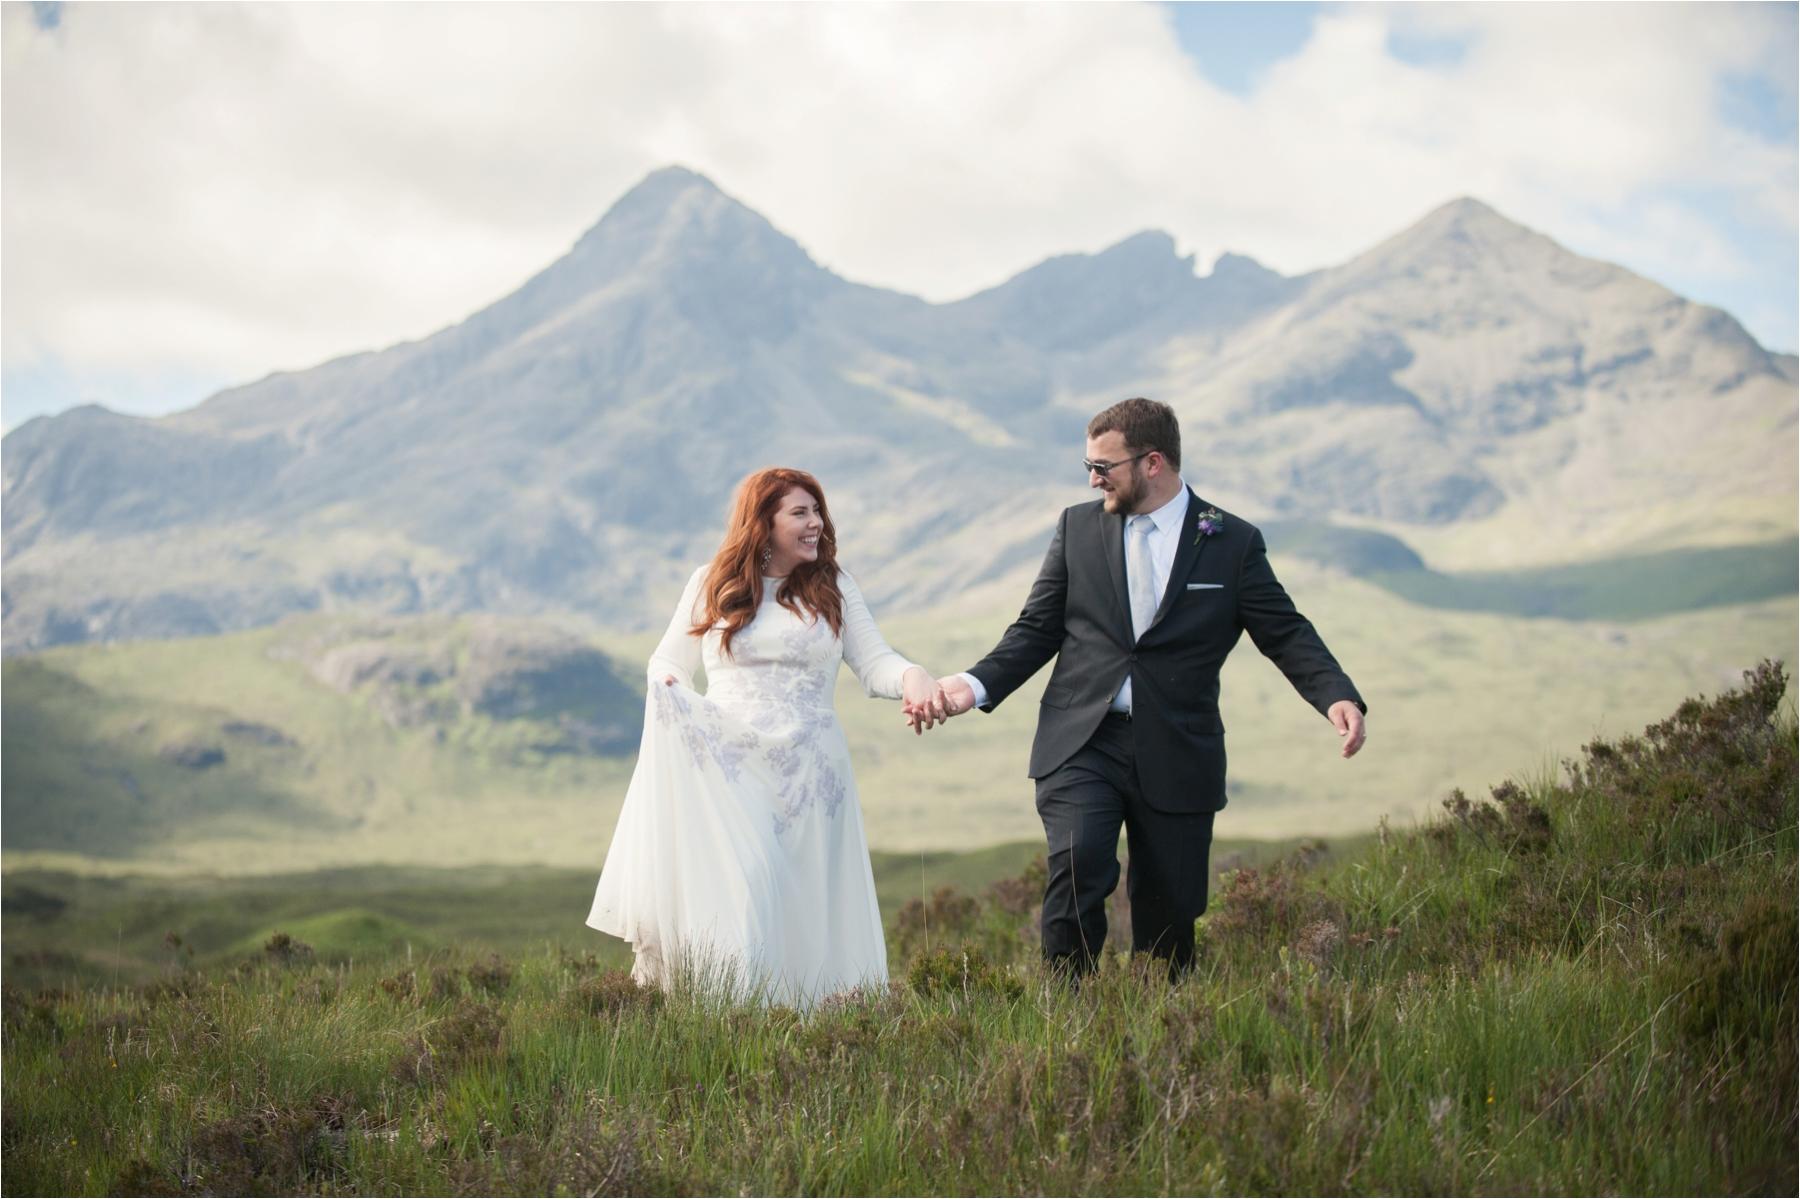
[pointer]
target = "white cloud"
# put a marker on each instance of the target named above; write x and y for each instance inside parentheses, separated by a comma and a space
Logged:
(231, 189)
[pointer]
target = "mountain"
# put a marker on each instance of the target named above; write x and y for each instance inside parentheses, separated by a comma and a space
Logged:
(571, 448)
(1490, 372)
(1076, 302)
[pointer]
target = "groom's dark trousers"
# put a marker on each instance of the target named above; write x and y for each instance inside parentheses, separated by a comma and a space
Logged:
(1161, 771)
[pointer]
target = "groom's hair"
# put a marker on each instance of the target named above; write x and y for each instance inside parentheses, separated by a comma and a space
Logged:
(1145, 424)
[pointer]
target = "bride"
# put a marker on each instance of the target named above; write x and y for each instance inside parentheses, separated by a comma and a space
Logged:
(739, 854)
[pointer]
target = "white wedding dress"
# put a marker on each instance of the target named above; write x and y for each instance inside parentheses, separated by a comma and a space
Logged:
(739, 859)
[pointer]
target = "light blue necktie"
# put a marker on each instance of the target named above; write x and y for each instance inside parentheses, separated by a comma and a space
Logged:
(1140, 575)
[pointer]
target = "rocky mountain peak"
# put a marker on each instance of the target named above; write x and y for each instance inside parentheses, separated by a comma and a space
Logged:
(677, 241)
(1240, 268)
(677, 219)
(1465, 238)
(1464, 254)
(1080, 299)
(1466, 213)
(1150, 249)
(1144, 258)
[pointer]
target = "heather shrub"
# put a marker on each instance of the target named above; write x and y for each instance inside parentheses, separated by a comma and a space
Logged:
(1741, 989)
(613, 991)
(470, 1032)
(283, 950)
(492, 976)
(948, 917)
(965, 970)
(1713, 766)
(261, 1151)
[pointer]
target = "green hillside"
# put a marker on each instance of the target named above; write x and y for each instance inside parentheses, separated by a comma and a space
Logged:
(1633, 588)
(1625, 587)
(336, 741)
(1574, 985)
(1455, 698)
(320, 741)
(79, 929)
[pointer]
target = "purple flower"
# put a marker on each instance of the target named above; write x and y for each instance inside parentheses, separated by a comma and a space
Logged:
(1208, 523)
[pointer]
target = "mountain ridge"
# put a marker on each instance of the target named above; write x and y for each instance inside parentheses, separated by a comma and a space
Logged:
(572, 445)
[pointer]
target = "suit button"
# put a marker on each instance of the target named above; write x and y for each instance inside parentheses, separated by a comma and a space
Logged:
(1133, 658)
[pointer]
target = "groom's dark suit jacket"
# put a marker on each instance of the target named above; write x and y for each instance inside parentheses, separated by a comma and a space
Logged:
(1080, 612)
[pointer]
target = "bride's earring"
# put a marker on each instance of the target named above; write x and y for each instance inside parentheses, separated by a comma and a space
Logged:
(768, 553)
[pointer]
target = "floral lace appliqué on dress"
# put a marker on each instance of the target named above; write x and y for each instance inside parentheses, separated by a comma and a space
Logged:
(741, 838)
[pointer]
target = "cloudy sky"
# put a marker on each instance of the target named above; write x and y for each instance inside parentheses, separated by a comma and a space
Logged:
(195, 195)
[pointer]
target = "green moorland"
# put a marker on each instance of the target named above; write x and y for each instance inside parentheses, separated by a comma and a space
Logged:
(1635, 587)
(64, 929)
(227, 755)
(1620, 586)
(1578, 985)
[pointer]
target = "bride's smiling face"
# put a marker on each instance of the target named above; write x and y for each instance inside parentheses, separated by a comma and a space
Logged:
(794, 533)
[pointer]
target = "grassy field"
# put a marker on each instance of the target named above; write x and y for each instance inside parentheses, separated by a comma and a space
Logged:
(1455, 699)
(1619, 589)
(65, 929)
(1576, 986)
(93, 781)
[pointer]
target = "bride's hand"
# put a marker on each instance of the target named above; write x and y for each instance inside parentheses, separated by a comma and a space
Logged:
(921, 699)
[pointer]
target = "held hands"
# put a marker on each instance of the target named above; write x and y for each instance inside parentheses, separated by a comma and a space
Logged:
(928, 705)
(936, 702)
(921, 699)
(1348, 720)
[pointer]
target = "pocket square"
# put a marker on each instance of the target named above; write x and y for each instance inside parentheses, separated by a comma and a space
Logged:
(1204, 586)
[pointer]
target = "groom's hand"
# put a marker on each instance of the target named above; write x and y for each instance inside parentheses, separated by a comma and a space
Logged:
(959, 697)
(950, 697)
(1348, 720)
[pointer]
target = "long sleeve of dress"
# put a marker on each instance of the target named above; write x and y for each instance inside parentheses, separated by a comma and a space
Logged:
(878, 667)
(678, 653)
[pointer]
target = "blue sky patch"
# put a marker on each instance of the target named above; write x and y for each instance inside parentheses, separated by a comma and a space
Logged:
(49, 386)
(1234, 42)
(1759, 105)
(1422, 50)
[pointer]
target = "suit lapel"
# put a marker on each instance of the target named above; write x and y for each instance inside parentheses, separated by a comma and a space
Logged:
(1112, 541)
(1187, 552)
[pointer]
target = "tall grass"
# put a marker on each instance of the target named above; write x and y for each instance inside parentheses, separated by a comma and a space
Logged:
(1580, 985)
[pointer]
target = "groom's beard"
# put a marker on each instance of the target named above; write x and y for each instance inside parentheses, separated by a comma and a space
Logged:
(1125, 495)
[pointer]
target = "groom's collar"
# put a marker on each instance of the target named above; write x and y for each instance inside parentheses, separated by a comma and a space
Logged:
(1171, 514)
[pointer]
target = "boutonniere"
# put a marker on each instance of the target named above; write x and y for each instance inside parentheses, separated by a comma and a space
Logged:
(1207, 523)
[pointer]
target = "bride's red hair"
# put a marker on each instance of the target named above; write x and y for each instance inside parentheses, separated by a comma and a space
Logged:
(734, 584)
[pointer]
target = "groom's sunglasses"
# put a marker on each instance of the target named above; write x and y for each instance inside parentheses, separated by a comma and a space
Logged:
(1100, 468)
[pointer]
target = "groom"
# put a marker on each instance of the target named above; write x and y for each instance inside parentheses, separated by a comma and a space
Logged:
(1140, 598)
